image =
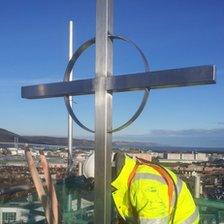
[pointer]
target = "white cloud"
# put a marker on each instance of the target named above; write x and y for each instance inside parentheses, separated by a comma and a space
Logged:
(219, 132)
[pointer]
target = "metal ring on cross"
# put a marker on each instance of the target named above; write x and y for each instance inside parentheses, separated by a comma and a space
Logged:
(71, 64)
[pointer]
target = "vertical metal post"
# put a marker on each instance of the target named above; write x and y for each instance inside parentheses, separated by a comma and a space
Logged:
(103, 113)
(197, 186)
(70, 121)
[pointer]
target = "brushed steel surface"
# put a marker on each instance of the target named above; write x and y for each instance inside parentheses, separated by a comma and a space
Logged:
(59, 89)
(163, 79)
(199, 75)
(103, 113)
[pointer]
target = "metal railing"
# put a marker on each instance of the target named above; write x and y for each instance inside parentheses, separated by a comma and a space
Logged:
(78, 205)
(211, 211)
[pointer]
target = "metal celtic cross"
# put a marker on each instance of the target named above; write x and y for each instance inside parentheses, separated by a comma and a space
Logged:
(103, 85)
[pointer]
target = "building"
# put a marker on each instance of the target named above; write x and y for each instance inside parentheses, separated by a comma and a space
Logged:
(157, 155)
(19, 212)
(13, 151)
(173, 156)
(202, 156)
(13, 214)
(20, 152)
(184, 157)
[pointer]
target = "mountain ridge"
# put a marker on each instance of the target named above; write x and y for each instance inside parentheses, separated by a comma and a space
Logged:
(8, 136)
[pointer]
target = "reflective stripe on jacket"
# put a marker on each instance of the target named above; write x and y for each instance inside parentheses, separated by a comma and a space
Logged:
(146, 201)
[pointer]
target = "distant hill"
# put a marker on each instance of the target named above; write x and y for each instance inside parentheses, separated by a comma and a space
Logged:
(7, 136)
(59, 141)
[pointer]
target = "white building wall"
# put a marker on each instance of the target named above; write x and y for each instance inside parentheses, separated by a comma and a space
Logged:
(188, 156)
(173, 156)
(13, 151)
(202, 157)
(20, 152)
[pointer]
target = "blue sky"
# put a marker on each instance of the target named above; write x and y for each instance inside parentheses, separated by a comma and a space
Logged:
(172, 34)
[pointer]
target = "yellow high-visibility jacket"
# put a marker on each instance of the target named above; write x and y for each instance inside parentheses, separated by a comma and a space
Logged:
(144, 199)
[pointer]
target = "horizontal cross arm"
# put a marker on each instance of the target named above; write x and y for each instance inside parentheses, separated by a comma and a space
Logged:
(152, 80)
(59, 89)
(180, 77)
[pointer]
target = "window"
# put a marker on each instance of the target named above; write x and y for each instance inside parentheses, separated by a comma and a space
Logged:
(8, 217)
